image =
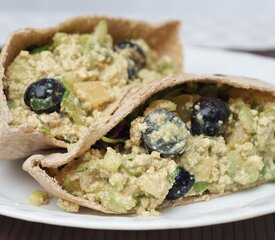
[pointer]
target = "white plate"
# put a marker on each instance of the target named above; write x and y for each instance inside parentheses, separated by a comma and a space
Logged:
(16, 185)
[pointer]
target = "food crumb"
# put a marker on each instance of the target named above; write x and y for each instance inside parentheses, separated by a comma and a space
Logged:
(39, 198)
(67, 206)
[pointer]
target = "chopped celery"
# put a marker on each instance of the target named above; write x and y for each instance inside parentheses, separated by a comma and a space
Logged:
(44, 128)
(19, 70)
(71, 185)
(130, 171)
(117, 202)
(108, 57)
(69, 139)
(70, 103)
(89, 165)
(112, 140)
(245, 116)
(269, 112)
(11, 104)
(252, 172)
(273, 175)
(92, 62)
(171, 178)
(70, 79)
(239, 167)
(57, 38)
(235, 162)
(163, 66)
(83, 39)
(100, 32)
(72, 108)
(111, 161)
(47, 47)
(200, 187)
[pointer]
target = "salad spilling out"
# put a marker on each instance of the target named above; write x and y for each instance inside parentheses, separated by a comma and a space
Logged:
(189, 141)
(62, 87)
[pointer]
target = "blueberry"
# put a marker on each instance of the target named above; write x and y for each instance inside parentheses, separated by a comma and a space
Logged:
(164, 132)
(183, 183)
(209, 116)
(132, 73)
(138, 57)
(44, 95)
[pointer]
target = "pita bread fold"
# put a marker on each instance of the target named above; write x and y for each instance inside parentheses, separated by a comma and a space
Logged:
(25, 140)
(36, 164)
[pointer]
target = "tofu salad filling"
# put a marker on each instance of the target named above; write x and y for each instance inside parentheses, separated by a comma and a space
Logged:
(192, 140)
(61, 87)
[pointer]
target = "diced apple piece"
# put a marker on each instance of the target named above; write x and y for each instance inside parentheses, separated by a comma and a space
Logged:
(92, 94)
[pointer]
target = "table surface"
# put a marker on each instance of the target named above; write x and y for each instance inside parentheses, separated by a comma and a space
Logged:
(260, 228)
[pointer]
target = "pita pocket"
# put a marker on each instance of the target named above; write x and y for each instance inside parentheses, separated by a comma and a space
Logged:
(184, 139)
(60, 84)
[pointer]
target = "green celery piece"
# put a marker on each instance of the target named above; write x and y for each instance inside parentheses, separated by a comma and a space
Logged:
(236, 162)
(45, 130)
(130, 171)
(108, 57)
(82, 39)
(245, 116)
(200, 187)
(101, 30)
(273, 175)
(164, 66)
(171, 178)
(11, 104)
(68, 139)
(93, 62)
(84, 166)
(117, 202)
(75, 112)
(57, 38)
(41, 104)
(70, 79)
(47, 47)
(269, 112)
(70, 185)
(112, 140)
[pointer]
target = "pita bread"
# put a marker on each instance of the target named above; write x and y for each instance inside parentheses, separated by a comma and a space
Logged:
(163, 38)
(35, 164)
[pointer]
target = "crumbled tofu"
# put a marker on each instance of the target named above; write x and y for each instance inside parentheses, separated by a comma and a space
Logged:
(67, 206)
(38, 198)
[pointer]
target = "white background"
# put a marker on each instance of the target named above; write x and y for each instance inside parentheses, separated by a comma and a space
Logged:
(248, 24)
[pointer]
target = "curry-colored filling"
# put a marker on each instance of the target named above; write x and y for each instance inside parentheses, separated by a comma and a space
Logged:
(120, 182)
(131, 178)
(95, 71)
